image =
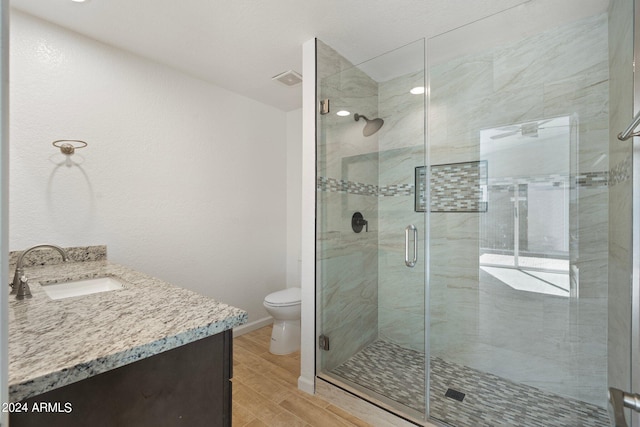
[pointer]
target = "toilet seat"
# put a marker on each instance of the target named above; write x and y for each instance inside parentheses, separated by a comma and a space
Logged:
(284, 298)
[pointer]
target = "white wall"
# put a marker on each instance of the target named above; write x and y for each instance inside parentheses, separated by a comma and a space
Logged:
(294, 196)
(306, 381)
(4, 202)
(182, 180)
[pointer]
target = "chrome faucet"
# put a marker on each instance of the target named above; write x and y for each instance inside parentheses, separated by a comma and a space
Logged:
(20, 284)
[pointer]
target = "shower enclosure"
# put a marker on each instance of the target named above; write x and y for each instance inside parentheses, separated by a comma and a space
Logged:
(371, 304)
(474, 250)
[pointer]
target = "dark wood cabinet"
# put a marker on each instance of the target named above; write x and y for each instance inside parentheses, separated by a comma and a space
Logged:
(186, 386)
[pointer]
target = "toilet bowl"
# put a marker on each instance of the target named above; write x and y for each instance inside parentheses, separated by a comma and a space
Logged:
(284, 307)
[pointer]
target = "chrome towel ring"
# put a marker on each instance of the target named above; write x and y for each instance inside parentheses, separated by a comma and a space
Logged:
(69, 146)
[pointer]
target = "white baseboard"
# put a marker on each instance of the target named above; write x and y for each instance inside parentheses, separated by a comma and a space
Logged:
(307, 385)
(252, 326)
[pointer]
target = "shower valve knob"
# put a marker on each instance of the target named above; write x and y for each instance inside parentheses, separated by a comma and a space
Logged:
(358, 222)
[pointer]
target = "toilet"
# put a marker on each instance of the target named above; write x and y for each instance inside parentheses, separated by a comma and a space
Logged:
(284, 307)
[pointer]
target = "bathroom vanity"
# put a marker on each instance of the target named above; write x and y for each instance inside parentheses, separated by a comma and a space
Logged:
(148, 354)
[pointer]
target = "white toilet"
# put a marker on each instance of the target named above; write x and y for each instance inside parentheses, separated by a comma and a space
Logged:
(284, 307)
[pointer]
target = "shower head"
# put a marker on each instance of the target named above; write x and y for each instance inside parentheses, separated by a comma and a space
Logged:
(372, 125)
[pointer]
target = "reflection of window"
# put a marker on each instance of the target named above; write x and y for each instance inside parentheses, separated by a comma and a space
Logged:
(524, 237)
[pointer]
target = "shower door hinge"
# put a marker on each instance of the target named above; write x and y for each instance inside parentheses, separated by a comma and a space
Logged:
(323, 342)
(324, 106)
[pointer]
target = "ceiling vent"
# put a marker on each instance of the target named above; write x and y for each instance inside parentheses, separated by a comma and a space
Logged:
(289, 78)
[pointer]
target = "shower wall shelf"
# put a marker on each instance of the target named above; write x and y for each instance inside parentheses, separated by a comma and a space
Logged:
(455, 187)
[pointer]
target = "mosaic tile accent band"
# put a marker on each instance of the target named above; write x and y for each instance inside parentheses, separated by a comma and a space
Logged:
(334, 185)
(490, 401)
(539, 180)
(396, 190)
(461, 187)
(593, 179)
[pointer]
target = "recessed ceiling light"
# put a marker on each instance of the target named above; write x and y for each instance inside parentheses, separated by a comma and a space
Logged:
(418, 90)
(78, 1)
(343, 113)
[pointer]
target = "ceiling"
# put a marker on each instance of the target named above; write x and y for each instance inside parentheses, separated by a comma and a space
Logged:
(240, 44)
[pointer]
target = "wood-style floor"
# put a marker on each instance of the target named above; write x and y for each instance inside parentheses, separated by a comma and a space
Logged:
(265, 389)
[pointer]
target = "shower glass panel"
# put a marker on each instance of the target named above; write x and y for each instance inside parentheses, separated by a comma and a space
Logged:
(370, 302)
(521, 276)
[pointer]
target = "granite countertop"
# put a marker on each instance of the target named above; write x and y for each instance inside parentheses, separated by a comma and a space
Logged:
(53, 343)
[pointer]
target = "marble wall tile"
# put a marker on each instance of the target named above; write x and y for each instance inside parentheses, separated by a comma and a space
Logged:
(534, 331)
(397, 166)
(345, 143)
(476, 320)
(334, 213)
(346, 273)
(348, 304)
(619, 291)
(460, 98)
(328, 61)
(592, 257)
(513, 104)
(589, 102)
(347, 87)
(403, 113)
(553, 53)
(454, 281)
(540, 340)
(401, 304)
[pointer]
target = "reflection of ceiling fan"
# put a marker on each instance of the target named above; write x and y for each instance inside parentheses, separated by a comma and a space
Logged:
(526, 129)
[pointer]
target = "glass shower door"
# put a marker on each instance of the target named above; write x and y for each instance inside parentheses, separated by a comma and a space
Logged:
(370, 231)
(530, 295)
(624, 228)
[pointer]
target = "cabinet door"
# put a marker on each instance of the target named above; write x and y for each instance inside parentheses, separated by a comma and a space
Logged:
(185, 386)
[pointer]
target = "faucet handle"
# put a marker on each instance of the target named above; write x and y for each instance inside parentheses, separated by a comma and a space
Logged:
(23, 288)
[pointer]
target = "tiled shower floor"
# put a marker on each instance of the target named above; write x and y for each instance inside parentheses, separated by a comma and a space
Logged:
(489, 401)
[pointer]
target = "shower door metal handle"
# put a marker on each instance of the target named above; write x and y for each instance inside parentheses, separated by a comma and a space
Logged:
(414, 260)
(620, 400)
(628, 132)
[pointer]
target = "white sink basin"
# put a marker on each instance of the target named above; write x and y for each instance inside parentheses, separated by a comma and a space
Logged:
(78, 288)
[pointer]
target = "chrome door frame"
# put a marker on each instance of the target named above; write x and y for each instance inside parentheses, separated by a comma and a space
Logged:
(635, 257)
